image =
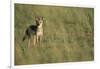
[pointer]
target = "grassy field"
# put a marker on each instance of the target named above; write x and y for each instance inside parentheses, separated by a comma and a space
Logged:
(68, 34)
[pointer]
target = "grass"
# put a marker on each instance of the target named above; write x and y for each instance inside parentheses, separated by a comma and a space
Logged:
(68, 34)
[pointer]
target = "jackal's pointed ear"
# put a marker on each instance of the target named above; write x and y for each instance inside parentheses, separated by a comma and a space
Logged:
(36, 18)
(42, 17)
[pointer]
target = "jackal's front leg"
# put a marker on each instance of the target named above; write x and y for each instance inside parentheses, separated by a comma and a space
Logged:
(37, 38)
(34, 42)
(40, 39)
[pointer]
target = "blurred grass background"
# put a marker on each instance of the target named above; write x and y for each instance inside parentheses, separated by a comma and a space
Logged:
(68, 34)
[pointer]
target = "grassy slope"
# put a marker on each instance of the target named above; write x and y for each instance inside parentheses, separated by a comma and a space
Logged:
(68, 34)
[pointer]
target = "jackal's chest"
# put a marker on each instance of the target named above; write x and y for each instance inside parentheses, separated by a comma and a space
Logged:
(40, 31)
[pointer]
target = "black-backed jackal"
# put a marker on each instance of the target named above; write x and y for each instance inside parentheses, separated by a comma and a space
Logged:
(34, 32)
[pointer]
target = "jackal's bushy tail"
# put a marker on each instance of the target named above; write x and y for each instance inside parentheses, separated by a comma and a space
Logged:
(24, 38)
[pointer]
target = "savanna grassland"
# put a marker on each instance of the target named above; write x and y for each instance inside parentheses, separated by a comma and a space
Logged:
(68, 34)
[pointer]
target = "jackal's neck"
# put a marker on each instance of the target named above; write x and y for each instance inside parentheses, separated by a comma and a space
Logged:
(40, 26)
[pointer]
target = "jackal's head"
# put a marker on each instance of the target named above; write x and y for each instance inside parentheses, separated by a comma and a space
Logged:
(39, 20)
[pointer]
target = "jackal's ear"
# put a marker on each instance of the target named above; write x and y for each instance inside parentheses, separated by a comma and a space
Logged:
(36, 18)
(41, 17)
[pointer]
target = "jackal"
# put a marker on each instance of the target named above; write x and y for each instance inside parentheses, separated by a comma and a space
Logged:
(35, 32)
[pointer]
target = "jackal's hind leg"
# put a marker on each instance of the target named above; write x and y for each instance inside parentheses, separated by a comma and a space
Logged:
(29, 43)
